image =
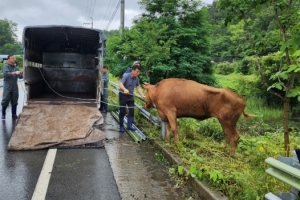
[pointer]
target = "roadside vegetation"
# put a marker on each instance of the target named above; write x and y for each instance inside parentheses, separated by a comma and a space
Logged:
(203, 153)
(202, 149)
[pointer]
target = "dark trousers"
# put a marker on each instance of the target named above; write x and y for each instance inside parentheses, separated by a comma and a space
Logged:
(123, 101)
(102, 103)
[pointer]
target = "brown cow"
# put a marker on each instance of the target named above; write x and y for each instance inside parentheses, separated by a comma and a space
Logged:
(175, 98)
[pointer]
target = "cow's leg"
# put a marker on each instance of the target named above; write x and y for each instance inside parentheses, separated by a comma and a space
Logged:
(173, 124)
(164, 118)
(231, 135)
(168, 127)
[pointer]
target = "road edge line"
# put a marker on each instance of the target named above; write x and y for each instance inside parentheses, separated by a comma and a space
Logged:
(41, 187)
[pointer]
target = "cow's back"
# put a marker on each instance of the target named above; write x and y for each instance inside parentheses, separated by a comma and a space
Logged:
(192, 99)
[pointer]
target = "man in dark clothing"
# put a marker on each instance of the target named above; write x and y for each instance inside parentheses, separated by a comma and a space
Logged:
(128, 83)
(10, 87)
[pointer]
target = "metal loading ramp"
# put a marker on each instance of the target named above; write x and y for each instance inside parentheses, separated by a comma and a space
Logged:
(43, 126)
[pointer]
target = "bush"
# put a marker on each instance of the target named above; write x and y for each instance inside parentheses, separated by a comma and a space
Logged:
(243, 85)
(224, 68)
(1, 67)
(270, 64)
(248, 66)
(19, 61)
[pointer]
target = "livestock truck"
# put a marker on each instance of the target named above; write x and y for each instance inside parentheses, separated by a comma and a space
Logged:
(63, 86)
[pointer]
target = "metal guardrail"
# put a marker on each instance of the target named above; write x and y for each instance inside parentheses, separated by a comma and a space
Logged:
(287, 170)
(133, 134)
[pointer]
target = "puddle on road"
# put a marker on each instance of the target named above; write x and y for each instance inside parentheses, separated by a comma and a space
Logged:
(137, 172)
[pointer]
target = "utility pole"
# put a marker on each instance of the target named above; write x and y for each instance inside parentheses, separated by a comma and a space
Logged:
(92, 21)
(122, 16)
(89, 23)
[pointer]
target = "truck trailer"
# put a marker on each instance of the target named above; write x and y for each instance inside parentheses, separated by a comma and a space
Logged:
(63, 86)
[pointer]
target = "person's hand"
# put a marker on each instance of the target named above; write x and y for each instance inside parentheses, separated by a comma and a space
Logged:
(126, 91)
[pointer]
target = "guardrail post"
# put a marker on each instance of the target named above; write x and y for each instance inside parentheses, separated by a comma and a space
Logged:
(286, 169)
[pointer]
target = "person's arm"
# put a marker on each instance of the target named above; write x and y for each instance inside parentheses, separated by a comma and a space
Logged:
(105, 78)
(139, 89)
(6, 72)
(21, 74)
(121, 85)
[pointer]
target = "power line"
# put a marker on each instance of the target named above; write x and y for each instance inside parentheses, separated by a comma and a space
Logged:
(90, 10)
(89, 13)
(93, 8)
(113, 15)
(104, 18)
(86, 12)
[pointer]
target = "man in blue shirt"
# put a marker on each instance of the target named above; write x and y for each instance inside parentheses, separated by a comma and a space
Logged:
(128, 83)
(104, 95)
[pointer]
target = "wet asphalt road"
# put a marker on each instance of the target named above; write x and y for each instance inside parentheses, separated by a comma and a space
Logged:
(120, 170)
(76, 173)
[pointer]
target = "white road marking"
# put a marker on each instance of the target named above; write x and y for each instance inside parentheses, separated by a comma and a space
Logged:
(41, 187)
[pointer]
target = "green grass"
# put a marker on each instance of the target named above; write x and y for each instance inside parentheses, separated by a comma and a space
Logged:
(202, 150)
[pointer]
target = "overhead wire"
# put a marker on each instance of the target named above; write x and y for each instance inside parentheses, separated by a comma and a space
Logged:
(89, 11)
(104, 18)
(86, 12)
(113, 15)
(93, 8)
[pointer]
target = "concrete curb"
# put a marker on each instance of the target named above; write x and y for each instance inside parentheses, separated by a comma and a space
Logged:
(203, 191)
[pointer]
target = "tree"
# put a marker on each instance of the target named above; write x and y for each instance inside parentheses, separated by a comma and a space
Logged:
(8, 38)
(11, 48)
(187, 24)
(286, 18)
(144, 43)
(170, 39)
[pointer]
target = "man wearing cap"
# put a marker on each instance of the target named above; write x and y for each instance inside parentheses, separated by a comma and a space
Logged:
(128, 83)
(10, 87)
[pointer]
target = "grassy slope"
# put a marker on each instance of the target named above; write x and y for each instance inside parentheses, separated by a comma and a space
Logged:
(201, 146)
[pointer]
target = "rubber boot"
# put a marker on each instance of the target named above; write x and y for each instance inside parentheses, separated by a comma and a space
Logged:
(3, 112)
(121, 125)
(14, 112)
(129, 124)
(105, 107)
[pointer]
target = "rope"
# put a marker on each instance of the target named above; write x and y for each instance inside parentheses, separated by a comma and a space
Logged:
(60, 94)
(115, 105)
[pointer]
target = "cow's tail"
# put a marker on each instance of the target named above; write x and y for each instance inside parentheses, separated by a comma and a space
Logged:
(248, 115)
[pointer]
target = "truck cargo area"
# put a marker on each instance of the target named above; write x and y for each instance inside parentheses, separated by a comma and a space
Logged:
(62, 76)
(56, 84)
(62, 61)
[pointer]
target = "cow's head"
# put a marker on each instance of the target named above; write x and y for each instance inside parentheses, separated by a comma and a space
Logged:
(148, 99)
